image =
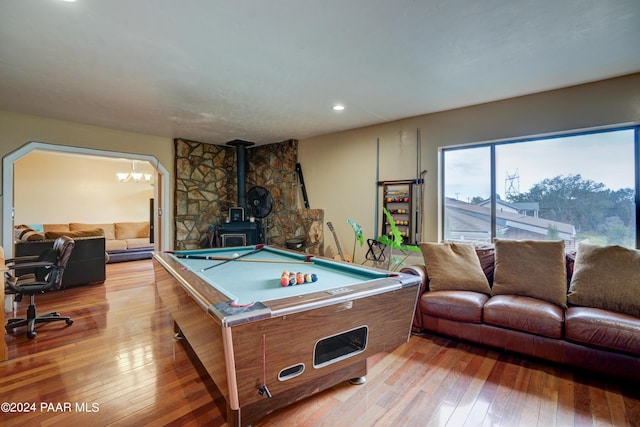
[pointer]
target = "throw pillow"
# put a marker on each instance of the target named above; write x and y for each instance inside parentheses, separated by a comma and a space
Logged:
(37, 227)
(26, 233)
(531, 268)
(454, 266)
(606, 277)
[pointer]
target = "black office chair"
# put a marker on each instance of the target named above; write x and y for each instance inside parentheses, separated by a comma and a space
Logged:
(47, 274)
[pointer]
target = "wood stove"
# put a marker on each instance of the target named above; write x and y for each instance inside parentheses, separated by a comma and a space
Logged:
(237, 231)
(242, 233)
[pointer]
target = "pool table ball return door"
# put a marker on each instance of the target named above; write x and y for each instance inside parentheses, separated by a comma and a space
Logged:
(284, 350)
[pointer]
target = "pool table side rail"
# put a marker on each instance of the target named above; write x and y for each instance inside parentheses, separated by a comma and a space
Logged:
(296, 304)
(319, 299)
(192, 284)
(214, 301)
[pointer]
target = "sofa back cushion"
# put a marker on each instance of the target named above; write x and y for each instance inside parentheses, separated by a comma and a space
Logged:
(109, 230)
(89, 232)
(606, 277)
(454, 266)
(532, 268)
(131, 230)
(55, 227)
(487, 255)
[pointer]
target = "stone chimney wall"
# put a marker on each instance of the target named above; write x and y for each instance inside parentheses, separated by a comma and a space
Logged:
(206, 187)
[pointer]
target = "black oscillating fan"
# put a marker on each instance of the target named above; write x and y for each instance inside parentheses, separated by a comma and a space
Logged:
(260, 201)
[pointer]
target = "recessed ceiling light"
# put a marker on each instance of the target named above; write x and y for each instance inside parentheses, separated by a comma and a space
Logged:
(338, 107)
(69, 1)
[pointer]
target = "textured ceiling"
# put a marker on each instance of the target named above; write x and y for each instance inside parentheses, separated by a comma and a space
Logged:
(266, 71)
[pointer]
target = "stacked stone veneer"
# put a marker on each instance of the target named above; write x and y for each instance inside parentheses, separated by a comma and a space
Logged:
(206, 187)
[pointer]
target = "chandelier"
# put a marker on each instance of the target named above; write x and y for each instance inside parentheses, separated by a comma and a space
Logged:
(133, 175)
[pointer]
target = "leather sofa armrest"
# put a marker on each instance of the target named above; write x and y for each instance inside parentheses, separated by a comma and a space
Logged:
(417, 270)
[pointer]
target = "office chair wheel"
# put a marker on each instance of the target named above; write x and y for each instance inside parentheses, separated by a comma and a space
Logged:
(31, 335)
(69, 321)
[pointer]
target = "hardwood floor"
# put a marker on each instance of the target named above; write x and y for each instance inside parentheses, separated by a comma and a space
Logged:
(119, 365)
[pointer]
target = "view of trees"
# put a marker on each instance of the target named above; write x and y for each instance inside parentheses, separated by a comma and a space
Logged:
(591, 207)
(585, 180)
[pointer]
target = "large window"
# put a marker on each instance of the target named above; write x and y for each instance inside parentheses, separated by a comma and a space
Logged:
(578, 187)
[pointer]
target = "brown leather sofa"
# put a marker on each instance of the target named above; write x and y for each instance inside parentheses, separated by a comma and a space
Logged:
(601, 340)
(86, 264)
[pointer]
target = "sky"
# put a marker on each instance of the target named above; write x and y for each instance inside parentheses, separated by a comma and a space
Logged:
(606, 158)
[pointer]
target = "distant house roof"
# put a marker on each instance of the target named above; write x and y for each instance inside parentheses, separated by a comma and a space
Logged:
(515, 206)
(487, 203)
(468, 218)
(526, 206)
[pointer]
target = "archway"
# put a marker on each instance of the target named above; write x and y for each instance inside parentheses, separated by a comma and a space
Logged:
(161, 189)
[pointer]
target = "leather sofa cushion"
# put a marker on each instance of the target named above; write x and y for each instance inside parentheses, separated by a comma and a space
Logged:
(487, 255)
(524, 314)
(602, 328)
(462, 306)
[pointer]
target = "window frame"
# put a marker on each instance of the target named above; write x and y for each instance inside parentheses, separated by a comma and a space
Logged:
(546, 137)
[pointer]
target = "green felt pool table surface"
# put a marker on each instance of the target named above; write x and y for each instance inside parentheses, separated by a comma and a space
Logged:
(255, 274)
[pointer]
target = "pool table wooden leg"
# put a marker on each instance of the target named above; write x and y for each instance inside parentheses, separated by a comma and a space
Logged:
(358, 380)
(177, 332)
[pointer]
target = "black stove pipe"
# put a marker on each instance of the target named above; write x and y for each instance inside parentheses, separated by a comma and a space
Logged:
(241, 160)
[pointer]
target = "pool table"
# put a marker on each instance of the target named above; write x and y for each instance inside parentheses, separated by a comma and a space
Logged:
(266, 345)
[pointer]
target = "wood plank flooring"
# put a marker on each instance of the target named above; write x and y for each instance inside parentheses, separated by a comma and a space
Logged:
(119, 365)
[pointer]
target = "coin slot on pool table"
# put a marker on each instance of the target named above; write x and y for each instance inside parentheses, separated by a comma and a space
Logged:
(291, 372)
(340, 346)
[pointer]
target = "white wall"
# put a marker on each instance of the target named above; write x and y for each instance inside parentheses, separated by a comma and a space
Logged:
(62, 188)
(18, 131)
(339, 169)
